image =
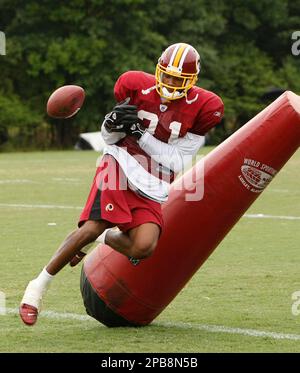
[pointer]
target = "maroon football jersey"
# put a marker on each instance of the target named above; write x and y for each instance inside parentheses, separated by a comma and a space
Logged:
(197, 113)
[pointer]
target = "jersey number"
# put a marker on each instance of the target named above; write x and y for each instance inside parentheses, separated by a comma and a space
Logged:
(153, 119)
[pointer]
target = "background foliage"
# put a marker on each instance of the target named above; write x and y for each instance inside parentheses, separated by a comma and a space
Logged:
(245, 46)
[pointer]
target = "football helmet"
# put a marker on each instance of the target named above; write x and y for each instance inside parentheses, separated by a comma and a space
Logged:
(180, 62)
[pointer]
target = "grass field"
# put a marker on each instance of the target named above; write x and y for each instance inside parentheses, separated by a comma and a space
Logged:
(239, 301)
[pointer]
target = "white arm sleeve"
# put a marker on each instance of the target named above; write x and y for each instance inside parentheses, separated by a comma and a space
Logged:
(174, 156)
(111, 137)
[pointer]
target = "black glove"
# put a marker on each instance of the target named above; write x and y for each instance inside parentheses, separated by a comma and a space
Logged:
(136, 129)
(121, 117)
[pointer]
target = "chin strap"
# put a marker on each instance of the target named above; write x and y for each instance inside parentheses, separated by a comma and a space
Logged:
(171, 95)
(166, 93)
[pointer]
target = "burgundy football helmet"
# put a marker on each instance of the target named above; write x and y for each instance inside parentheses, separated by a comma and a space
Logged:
(182, 62)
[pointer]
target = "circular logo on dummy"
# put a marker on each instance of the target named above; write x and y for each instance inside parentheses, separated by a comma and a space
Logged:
(109, 207)
(256, 176)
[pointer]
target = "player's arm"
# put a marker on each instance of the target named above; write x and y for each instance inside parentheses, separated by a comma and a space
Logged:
(174, 156)
(209, 116)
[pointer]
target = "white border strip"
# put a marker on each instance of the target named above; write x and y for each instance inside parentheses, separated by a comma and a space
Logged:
(55, 315)
(264, 216)
(16, 205)
(229, 330)
(251, 216)
(181, 325)
(18, 181)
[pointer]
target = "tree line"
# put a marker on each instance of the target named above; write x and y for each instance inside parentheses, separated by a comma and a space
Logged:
(245, 48)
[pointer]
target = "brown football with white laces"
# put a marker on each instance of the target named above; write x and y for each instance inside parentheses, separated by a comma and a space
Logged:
(65, 101)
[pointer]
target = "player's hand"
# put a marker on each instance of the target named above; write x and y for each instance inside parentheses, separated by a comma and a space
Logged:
(121, 117)
(136, 129)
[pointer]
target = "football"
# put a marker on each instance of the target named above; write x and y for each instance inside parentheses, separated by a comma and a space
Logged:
(65, 101)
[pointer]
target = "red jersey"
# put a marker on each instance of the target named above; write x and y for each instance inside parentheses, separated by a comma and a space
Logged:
(197, 113)
(168, 121)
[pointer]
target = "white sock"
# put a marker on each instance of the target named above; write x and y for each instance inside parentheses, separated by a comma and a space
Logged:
(102, 236)
(44, 279)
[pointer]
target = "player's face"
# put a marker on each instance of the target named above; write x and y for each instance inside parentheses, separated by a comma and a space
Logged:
(172, 81)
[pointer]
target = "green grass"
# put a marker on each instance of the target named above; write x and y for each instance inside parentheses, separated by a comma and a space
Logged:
(246, 283)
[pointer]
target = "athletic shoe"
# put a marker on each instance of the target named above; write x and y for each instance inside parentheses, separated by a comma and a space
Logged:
(28, 314)
(31, 303)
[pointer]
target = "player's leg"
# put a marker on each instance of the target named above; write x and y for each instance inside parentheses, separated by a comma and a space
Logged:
(78, 239)
(91, 225)
(142, 231)
(105, 201)
(36, 289)
(138, 242)
(85, 250)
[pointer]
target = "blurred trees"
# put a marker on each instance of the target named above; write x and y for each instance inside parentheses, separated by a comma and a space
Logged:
(245, 48)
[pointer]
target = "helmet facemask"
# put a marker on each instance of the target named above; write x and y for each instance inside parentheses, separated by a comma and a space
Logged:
(171, 92)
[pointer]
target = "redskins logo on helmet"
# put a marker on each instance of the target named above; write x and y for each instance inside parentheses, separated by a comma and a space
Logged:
(182, 62)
